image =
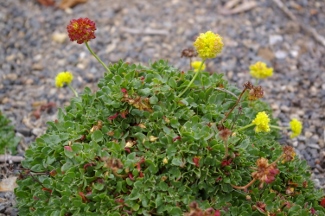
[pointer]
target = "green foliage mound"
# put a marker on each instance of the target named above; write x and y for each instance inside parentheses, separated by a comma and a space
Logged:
(135, 147)
(8, 139)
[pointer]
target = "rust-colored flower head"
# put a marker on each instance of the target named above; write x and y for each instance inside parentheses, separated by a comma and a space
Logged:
(288, 153)
(188, 53)
(248, 85)
(81, 30)
(265, 172)
(255, 93)
(224, 134)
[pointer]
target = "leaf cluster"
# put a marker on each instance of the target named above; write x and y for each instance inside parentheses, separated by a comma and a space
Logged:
(8, 139)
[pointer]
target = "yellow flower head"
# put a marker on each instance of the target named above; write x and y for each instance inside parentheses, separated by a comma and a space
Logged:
(63, 78)
(208, 45)
(196, 65)
(262, 122)
(259, 70)
(296, 128)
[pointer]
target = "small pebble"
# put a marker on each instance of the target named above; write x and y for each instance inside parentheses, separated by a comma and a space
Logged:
(273, 39)
(280, 54)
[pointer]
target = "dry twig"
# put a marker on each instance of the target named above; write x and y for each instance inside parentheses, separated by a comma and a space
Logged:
(15, 159)
(232, 7)
(319, 38)
(70, 3)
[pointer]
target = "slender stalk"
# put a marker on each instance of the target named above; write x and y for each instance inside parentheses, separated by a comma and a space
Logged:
(226, 91)
(193, 79)
(98, 59)
(245, 127)
(276, 127)
(232, 109)
(279, 158)
(226, 149)
(73, 90)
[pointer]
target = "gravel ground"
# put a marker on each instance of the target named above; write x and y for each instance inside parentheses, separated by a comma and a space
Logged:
(35, 48)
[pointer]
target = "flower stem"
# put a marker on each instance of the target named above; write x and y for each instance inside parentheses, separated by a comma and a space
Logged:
(232, 109)
(73, 90)
(98, 59)
(276, 127)
(193, 79)
(226, 150)
(245, 127)
(227, 91)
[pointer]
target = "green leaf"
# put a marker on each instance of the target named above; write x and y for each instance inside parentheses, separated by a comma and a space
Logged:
(66, 166)
(244, 144)
(153, 100)
(172, 83)
(163, 186)
(145, 91)
(134, 195)
(175, 211)
(76, 147)
(177, 161)
(158, 201)
(97, 136)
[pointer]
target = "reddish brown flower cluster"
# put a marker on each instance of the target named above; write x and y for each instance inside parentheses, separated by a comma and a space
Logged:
(255, 93)
(248, 85)
(265, 172)
(224, 134)
(81, 30)
(188, 53)
(196, 161)
(226, 162)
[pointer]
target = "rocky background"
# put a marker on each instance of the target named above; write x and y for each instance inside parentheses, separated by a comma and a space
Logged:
(289, 38)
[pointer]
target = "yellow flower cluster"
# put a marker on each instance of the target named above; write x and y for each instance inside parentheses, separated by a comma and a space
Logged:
(63, 78)
(296, 128)
(262, 122)
(259, 70)
(208, 45)
(196, 66)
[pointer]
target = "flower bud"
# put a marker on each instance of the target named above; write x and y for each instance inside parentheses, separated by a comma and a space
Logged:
(165, 161)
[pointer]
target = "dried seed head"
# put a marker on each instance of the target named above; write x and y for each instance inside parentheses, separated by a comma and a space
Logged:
(188, 53)
(265, 172)
(288, 153)
(248, 85)
(255, 93)
(194, 205)
(224, 134)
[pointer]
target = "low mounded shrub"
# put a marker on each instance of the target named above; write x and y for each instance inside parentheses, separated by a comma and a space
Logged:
(141, 145)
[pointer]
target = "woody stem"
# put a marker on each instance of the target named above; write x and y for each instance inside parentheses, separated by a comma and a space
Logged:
(244, 187)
